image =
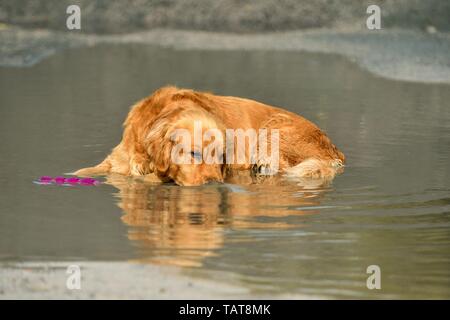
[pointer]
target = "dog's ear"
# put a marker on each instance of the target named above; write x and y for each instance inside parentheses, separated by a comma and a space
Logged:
(159, 146)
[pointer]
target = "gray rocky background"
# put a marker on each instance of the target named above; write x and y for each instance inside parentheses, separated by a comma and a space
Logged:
(124, 16)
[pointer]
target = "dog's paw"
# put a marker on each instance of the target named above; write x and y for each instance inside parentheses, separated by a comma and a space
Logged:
(263, 168)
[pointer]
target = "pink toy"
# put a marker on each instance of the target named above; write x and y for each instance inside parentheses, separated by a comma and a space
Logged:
(68, 181)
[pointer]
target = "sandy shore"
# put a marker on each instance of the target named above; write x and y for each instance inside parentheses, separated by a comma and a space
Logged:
(118, 280)
(102, 280)
(395, 54)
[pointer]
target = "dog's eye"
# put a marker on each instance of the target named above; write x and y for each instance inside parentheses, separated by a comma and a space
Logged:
(196, 155)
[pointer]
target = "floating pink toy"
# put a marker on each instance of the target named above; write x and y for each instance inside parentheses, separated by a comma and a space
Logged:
(68, 181)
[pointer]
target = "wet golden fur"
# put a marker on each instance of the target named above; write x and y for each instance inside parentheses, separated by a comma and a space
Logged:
(304, 150)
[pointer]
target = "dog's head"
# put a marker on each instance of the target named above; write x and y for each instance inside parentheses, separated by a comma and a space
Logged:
(186, 145)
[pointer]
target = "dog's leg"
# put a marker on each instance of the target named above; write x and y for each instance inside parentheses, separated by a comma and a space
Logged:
(100, 169)
(315, 168)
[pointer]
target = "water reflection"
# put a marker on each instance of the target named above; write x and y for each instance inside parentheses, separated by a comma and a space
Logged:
(184, 225)
(390, 207)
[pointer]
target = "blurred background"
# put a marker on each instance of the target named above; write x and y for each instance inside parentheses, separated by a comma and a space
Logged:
(103, 16)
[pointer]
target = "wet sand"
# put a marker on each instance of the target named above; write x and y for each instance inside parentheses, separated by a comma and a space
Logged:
(116, 280)
(395, 54)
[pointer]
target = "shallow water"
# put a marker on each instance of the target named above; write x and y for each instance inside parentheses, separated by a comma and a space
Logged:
(390, 207)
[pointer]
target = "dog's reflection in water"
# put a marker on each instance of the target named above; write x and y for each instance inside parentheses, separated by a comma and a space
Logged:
(184, 225)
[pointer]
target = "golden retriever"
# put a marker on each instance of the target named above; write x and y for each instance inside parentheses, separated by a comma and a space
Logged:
(148, 143)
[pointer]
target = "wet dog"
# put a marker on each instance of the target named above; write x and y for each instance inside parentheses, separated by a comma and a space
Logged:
(150, 144)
